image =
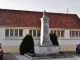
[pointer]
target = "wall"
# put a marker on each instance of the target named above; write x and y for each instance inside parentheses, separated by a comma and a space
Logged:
(12, 44)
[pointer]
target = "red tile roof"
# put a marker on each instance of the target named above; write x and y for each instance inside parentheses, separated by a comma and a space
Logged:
(19, 18)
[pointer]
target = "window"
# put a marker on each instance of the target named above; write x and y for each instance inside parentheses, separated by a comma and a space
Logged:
(7, 32)
(59, 33)
(38, 32)
(70, 33)
(74, 33)
(16, 32)
(62, 33)
(20, 32)
(13, 32)
(79, 33)
(30, 32)
(55, 32)
(34, 33)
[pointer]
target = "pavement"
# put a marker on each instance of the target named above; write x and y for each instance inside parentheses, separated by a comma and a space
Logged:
(9, 56)
(74, 54)
(17, 56)
(20, 57)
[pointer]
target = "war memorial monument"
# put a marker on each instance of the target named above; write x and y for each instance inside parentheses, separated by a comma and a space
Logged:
(45, 45)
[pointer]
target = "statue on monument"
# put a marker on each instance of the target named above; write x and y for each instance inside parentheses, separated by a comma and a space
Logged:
(44, 13)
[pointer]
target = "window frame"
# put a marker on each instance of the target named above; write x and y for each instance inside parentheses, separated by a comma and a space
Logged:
(58, 33)
(76, 33)
(36, 33)
(13, 33)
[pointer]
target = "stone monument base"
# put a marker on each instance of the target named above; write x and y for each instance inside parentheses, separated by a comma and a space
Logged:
(46, 49)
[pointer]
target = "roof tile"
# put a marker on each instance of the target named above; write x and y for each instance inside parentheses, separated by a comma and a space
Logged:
(32, 19)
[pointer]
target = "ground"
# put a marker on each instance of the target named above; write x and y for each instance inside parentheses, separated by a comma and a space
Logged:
(14, 56)
(17, 56)
(9, 57)
(73, 53)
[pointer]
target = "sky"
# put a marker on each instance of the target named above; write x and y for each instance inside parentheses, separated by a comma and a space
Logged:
(57, 6)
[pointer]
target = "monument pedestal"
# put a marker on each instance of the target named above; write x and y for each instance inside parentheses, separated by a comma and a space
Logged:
(46, 49)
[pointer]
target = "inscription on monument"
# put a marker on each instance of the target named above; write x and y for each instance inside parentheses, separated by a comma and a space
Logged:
(46, 38)
(45, 29)
(45, 21)
(49, 49)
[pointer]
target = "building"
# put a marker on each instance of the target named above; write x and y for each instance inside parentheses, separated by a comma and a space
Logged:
(15, 24)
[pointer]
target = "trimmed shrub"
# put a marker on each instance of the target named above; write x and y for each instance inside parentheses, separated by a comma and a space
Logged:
(53, 38)
(27, 45)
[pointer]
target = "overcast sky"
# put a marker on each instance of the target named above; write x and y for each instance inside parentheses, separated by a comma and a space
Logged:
(41, 5)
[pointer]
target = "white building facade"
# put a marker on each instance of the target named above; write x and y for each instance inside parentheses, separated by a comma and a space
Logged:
(11, 42)
(14, 25)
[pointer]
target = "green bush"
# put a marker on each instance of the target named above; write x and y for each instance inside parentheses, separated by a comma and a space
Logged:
(53, 38)
(27, 45)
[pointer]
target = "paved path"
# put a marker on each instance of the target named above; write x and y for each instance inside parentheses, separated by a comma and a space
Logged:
(74, 53)
(9, 57)
(17, 56)
(20, 57)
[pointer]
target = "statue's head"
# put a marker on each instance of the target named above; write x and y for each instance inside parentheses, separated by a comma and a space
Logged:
(44, 13)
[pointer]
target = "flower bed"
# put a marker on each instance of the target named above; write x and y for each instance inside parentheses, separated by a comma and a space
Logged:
(48, 56)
